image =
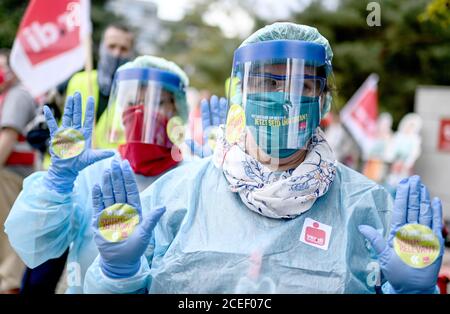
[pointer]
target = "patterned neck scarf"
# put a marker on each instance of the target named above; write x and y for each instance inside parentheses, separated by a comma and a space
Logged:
(278, 195)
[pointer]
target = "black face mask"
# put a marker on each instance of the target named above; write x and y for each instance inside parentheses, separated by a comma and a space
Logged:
(39, 139)
(38, 134)
(107, 66)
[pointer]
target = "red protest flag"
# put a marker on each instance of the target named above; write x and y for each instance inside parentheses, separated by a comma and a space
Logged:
(360, 114)
(49, 45)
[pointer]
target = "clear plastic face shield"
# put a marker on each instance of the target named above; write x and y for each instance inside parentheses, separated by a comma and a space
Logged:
(145, 107)
(275, 96)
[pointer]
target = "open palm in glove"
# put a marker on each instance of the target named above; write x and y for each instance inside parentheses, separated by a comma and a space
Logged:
(69, 157)
(120, 258)
(412, 206)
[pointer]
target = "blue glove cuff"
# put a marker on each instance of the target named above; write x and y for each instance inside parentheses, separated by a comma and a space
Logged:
(119, 271)
(388, 289)
(61, 183)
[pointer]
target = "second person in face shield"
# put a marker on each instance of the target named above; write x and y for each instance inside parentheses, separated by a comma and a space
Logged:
(146, 115)
(147, 101)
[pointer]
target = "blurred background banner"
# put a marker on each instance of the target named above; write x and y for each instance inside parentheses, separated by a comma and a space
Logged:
(360, 114)
(444, 135)
(49, 45)
(432, 103)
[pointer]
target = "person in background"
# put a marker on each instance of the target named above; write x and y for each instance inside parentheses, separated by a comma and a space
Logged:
(405, 148)
(17, 160)
(116, 48)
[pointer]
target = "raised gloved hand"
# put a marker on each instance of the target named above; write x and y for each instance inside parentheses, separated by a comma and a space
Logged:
(121, 233)
(407, 262)
(70, 144)
(213, 114)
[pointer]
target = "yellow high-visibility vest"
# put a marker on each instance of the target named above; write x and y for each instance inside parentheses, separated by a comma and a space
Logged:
(79, 83)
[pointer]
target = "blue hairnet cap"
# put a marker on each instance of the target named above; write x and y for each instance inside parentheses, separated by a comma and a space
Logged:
(291, 31)
(166, 65)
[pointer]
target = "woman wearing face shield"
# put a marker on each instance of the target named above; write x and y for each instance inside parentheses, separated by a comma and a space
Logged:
(272, 211)
(144, 119)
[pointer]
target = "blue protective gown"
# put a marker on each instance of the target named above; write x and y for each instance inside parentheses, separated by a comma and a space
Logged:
(207, 239)
(42, 223)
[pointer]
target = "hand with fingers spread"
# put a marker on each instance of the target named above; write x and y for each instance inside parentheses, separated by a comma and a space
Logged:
(405, 270)
(120, 255)
(213, 114)
(70, 144)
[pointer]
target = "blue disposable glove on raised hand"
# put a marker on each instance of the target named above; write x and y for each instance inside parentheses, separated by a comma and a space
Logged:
(121, 258)
(214, 113)
(412, 206)
(62, 172)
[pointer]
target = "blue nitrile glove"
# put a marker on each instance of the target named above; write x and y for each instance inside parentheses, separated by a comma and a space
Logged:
(121, 259)
(62, 172)
(214, 113)
(412, 205)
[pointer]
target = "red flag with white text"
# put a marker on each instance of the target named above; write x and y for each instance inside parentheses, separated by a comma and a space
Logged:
(360, 114)
(49, 45)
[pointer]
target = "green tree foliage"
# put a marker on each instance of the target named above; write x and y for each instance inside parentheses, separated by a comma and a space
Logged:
(404, 51)
(11, 12)
(202, 50)
(437, 11)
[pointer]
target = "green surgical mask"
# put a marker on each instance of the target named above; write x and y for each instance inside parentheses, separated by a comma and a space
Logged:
(284, 153)
(280, 123)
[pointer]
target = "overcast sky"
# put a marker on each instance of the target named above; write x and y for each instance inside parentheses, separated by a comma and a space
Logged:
(225, 13)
